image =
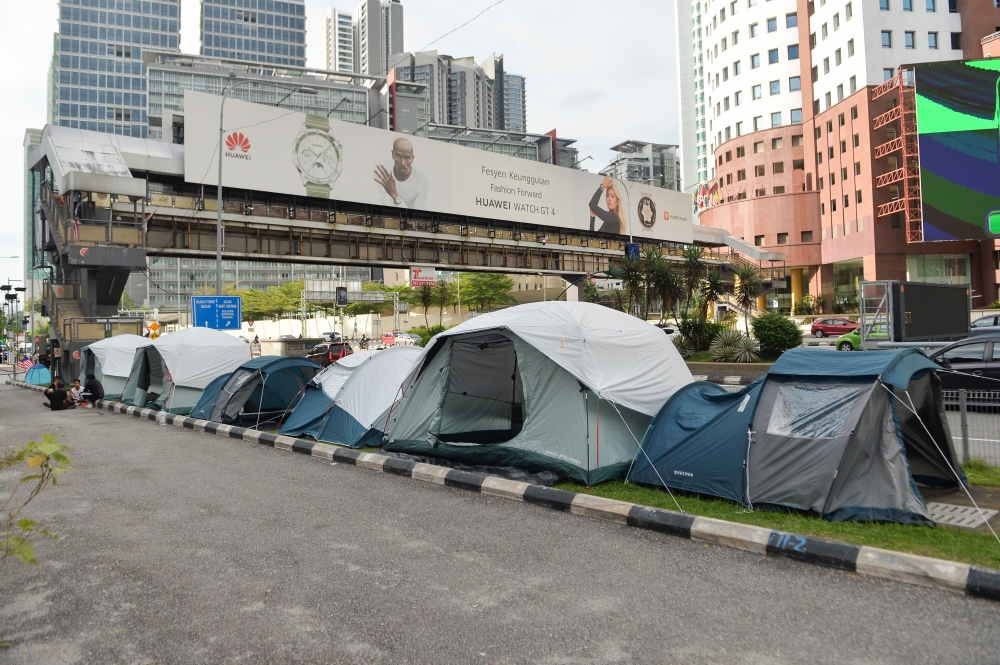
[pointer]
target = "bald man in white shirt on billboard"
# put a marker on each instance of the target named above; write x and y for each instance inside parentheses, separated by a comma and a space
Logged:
(400, 183)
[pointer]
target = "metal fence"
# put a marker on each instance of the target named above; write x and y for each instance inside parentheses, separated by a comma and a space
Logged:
(974, 420)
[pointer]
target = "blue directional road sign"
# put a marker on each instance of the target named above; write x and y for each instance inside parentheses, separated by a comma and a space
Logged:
(219, 312)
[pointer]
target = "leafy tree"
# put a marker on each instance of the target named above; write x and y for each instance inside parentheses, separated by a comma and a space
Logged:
(776, 334)
(633, 283)
(426, 295)
(485, 290)
(745, 294)
(126, 301)
(593, 294)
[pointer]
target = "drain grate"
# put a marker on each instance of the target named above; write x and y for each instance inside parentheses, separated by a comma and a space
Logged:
(964, 516)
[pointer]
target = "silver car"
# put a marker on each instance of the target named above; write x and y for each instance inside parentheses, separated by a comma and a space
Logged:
(985, 325)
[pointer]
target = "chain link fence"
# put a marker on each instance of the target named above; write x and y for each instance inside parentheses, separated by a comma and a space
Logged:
(974, 419)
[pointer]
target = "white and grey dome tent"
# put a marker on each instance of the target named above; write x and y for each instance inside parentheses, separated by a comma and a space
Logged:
(172, 372)
(562, 386)
(110, 361)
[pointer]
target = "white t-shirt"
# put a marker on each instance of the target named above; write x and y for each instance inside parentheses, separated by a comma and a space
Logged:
(413, 190)
(75, 393)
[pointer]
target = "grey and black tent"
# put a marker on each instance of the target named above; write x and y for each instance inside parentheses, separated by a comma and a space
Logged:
(261, 390)
(847, 436)
(567, 387)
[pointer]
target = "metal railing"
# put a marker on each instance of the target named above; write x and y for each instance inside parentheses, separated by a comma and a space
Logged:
(86, 229)
(974, 420)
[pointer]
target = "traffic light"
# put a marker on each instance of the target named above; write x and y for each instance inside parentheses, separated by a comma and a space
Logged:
(24, 322)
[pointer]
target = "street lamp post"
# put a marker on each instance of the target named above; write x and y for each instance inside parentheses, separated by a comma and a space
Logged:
(218, 217)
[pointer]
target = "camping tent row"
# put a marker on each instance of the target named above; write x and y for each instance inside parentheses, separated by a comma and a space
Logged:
(262, 391)
(110, 361)
(351, 401)
(846, 436)
(171, 373)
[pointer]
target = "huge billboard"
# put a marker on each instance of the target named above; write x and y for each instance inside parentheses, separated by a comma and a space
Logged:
(959, 140)
(274, 150)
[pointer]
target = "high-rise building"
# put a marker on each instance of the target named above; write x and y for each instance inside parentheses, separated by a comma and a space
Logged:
(805, 146)
(655, 164)
(256, 31)
(98, 73)
(339, 28)
(515, 111)
(695, 157)
(32, 191)
(378, 34)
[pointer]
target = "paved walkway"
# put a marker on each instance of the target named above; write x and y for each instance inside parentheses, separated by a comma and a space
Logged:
(181, 547)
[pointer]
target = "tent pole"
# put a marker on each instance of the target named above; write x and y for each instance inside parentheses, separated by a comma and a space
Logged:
(586, 408)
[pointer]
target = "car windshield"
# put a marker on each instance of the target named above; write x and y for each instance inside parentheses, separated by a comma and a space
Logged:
(317, 349)
(983, 322)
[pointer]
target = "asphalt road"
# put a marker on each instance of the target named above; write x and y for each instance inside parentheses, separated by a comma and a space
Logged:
(182, 547)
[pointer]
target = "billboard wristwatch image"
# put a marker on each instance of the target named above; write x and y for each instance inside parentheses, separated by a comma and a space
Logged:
(317, 156)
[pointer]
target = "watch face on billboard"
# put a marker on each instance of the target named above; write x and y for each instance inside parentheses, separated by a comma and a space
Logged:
(647, 212)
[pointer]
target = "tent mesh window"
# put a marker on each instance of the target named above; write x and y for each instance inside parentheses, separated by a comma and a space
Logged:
(814, 411)
(485, 399)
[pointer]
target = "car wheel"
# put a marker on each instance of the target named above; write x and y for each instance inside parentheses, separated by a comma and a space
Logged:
(845, 346)
(818, 333)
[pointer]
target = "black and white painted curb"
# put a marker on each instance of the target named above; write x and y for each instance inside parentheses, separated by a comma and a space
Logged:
(909, 568)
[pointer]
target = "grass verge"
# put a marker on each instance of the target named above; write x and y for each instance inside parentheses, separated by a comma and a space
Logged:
(940, 542)
(979, 472)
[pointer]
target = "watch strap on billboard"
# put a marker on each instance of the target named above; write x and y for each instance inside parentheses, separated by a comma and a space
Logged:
(317, 190)
(317, 122)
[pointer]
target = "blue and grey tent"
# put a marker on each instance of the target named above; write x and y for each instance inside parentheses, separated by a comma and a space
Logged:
(261, 390)
(844, 435)
(363, 394)
(38, 375)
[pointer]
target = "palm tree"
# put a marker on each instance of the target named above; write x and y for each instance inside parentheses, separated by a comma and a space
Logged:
(747, 283)
(651, 260)
(693, 268)
(632, 281)
(712, 289)
(443, 292)
(669, 287)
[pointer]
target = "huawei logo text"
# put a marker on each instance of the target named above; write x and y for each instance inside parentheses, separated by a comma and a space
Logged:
(238, 146)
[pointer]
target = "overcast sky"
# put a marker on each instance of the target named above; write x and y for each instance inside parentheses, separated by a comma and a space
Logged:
(598, 72)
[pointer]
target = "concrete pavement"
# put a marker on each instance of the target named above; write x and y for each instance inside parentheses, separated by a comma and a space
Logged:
(184, 547)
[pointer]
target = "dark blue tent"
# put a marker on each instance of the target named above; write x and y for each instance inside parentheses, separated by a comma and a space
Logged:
(843, 435)
(261, 390)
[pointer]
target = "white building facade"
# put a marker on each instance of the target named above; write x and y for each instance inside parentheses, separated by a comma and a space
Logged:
(339, 29)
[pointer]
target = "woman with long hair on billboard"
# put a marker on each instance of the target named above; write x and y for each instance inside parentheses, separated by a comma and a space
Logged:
(614, 218)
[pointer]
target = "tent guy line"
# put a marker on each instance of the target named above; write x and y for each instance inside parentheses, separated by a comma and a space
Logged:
(939, 574)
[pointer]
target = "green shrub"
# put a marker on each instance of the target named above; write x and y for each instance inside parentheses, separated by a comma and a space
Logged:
(683, 346)
(427, 333)
(775, 333)
(700, 332)
(732, 346)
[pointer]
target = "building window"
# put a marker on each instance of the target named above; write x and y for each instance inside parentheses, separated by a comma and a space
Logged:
(776, 119)
(836, 58)
(728, 136)
(794, 83)
(847, 201)
(812, 40)
(737, 98)
(741, 175)
(840, 119)
(778, 167)
(754, 30)
(736, 37)
(836, 22)
(798, 164)
(830, 152)
(932, 5)
(823, 31)
(857, 170)
(822, 208)
(857, 198)
(796, 116)
(758, 171)
(725, 103)
(777, 143)
(833, 205)
(806, 236)
(739, 132)
(819, 133)
(755, 61)
(896, 220)
(791, 20)
(729, 178)
(857, 140)
(850, 48)
(782, 237)
(956, 41)
(909, 39)
(737, 68)
(953, 6)
(775, 87)
(840, 92)
(932, 40)
(797, 140)
(772, 25)
(758, 240)
(854, 112)
(755, 92)
(772, 56)
(826, 65)
(907, 5)
(828, 99)
(819, 183)
(722, 15)
(725, 73)
(854, 84)
(819, 157)
(887, 73)
(887, 39)
(740, 152)
(793, 52)
(758, 147)
(833, 179)
(883, 5)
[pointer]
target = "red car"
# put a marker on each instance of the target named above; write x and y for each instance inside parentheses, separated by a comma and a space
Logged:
(393, 338)
(329, 352)
(835, 327)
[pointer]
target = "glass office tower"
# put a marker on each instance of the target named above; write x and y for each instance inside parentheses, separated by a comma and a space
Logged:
(98, 69)
(265, 31)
